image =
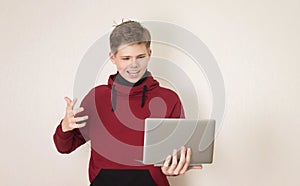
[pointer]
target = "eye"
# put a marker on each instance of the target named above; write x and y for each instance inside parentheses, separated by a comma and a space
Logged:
(140, 57)
(125, 58)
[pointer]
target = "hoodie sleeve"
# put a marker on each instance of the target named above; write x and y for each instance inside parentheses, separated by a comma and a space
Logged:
(177, 111)
(67, 142)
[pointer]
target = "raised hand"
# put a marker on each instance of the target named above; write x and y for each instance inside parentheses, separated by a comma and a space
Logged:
(71, 122)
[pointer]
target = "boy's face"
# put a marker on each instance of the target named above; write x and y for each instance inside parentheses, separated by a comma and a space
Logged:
(131, 61)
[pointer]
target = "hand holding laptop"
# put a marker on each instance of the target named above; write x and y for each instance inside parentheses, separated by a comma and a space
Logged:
(174, 167)
(162, 135)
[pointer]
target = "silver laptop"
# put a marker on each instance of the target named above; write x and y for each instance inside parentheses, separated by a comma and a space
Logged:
(162, 135)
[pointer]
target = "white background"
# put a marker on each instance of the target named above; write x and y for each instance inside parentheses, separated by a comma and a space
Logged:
(256, 44)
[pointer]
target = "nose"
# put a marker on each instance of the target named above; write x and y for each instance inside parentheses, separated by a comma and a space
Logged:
(134, 62)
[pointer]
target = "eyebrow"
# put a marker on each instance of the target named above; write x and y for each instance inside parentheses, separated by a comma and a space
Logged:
(143, 54)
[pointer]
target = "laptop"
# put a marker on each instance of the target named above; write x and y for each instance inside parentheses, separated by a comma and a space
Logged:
(162, 135)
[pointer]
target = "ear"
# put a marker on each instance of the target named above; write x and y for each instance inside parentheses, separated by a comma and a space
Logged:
(149, 52)
(112, 57)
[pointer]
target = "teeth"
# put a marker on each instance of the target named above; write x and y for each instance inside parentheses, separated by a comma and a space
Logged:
(135, 72)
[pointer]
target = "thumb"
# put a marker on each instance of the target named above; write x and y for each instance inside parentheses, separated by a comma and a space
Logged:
(68, 101)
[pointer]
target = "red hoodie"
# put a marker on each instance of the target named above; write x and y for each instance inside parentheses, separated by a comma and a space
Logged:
(116, 128)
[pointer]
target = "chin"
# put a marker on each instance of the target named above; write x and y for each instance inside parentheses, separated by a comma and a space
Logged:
(134, 79)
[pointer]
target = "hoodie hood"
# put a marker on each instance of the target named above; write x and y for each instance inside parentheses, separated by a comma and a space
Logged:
(121, 87)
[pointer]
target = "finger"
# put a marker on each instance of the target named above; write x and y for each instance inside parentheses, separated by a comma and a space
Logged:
(78, 110)
(181, 162)
(79, 125)
(187, 161)
(196, 167)
(69, 109)
(80, 119)
(74, 102)
(166, 164)
(68, 101)
(174, 161)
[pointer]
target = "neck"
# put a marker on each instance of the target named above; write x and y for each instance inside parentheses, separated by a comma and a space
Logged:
(119, 79)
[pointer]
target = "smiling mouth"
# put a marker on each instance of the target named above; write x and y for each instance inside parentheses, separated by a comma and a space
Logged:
(133, 72)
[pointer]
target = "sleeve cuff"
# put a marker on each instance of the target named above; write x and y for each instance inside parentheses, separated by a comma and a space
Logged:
(63, 135)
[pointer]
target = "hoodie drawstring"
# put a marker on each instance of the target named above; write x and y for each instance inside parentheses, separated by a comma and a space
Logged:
(143, 96)
(113, 97)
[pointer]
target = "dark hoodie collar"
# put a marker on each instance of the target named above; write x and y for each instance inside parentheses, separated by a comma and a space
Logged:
(120, 86)
(119, 79)
(121, 89)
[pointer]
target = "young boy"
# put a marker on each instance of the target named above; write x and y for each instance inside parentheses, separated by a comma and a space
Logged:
(115, 113)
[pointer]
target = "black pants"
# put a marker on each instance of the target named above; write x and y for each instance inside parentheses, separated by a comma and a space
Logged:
(107, 177)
